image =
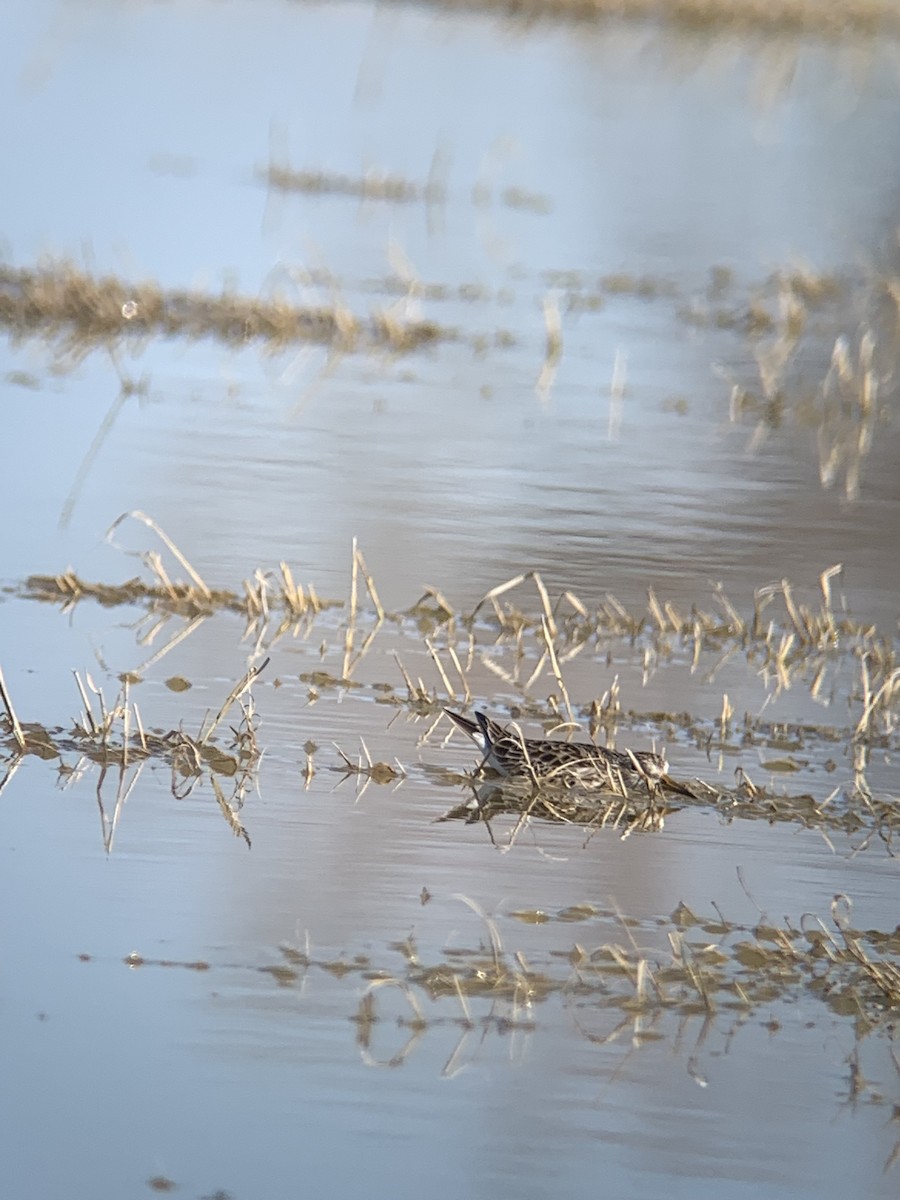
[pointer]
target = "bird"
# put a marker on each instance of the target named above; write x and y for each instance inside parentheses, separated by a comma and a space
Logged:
(565, 764)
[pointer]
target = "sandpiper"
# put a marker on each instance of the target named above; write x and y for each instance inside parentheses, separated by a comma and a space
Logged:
(565, 764)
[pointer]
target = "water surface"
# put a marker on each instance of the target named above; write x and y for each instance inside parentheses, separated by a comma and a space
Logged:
(658, 180)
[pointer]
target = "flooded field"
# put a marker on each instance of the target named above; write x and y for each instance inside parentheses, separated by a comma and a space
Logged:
(366, 361)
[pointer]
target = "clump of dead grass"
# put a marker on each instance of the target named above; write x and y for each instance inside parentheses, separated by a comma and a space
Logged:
(373, 185)
(83, 311)
(788, 638)
(800, 640)
(767, 17)
(114, 738)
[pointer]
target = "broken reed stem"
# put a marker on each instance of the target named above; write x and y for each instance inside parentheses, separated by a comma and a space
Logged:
(238, 690)
(89, 716)
(415, 693)
(137, 515)
(655, 610)
(440, 666)
(825, 583)
(292, 592)
(350, 631)
(154, 561)
(106, 720)
(463, 1002)
(368, 580)
(11, 713)
(792, 610)
(737, 621)
(545, 603)
(871, 701)
(228, 812)
(355, 767)
(354, 570)
(125, 723)
(498, 591)
(577, 604)
(140, 725)
(535, 674)
(557, 672)
(454, 658)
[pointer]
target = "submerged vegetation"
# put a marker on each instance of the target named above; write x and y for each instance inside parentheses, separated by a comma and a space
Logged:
(82, 311)
(786, 641)
(823, 18)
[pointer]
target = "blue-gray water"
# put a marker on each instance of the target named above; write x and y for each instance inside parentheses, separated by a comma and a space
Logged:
(134, 137)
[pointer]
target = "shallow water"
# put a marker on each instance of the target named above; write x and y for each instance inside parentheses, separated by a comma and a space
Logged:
(230, 1055)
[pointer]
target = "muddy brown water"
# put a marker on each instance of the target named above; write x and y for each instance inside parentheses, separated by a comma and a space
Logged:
(180, 1009)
